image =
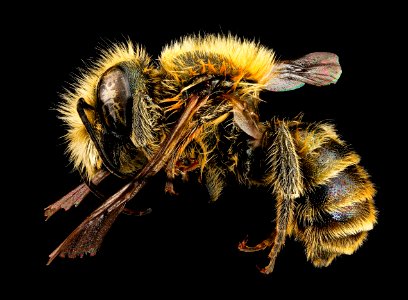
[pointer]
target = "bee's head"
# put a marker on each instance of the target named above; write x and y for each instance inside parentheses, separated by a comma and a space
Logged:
(112, 120)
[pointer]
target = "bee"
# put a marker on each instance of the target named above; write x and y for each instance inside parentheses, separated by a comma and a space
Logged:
(194, 114)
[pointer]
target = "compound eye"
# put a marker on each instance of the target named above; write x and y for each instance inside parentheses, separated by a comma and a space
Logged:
(114, 99)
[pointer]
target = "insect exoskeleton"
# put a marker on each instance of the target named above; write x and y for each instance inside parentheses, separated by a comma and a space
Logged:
(195, 113)
(324, 197)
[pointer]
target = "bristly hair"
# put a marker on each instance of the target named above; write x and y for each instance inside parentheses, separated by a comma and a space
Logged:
(81, 150)
(218, 54)
(239, 58)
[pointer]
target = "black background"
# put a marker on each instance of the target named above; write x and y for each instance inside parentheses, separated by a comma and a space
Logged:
(188, 246)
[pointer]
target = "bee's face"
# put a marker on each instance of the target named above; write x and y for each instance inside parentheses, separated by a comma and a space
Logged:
(124, 114)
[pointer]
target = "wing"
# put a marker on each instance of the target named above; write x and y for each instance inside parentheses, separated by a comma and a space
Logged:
(318, 68)
(88, 236)
(75, 197)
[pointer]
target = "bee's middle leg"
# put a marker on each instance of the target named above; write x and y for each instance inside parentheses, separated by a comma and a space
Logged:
(266, 243)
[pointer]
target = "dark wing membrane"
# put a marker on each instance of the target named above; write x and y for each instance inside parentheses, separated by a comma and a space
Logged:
(88, 236)
(75, 197)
